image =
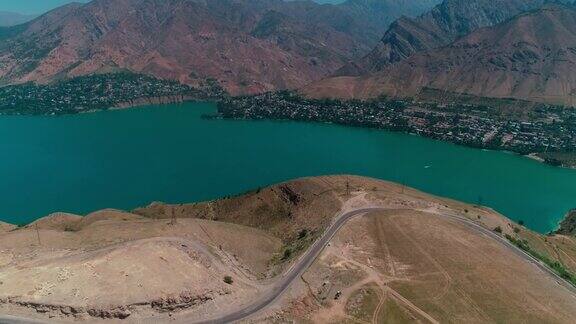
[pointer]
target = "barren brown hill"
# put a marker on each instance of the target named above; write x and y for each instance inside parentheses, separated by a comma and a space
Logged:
(530, 57)
(414, 260)
(437, 28)
(249, 46)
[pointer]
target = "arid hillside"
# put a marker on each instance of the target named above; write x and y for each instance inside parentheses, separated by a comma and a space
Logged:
(413, 257)
(529, 57)
(249, 46)
(437, 28)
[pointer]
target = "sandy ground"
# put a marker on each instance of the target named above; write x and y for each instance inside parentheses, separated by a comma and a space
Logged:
(122, 266)
(5, 227)
(406, 265)
(413, 266)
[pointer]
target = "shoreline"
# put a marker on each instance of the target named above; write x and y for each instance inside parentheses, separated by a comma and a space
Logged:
(535, 157)
(163, 100)
(147, 101)
(567, 226)
(177, 99)
(532, 156)
(568, 216)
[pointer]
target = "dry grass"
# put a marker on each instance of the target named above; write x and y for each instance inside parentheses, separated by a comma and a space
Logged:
(422, 267)
(427, 267)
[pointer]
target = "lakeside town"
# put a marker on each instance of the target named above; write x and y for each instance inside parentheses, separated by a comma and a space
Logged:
(544, 132)
(548, 134)
(99, 92)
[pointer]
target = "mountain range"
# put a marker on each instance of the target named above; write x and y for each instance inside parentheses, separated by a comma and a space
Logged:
(531, 56)
(250, 46)
(439, 27)
(518, 49)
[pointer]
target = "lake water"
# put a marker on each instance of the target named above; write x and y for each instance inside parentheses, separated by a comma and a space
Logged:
(129, 158)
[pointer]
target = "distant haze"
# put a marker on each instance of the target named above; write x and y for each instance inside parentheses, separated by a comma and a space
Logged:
(11, 19)
(29, 7)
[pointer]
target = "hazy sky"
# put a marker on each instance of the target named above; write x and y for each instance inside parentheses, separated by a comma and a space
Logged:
(41, 6)
(31, 6)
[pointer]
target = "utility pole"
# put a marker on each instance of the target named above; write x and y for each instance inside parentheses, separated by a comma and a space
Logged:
(174, 220)
(38, 233)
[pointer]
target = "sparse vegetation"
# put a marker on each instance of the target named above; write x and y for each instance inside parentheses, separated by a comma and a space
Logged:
(568, 224)
(228, 280)
(498, 229)
(363, 303)
(69, 228)
(287, 254)
(556, 266)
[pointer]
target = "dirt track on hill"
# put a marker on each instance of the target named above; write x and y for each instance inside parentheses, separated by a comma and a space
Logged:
(310, 256)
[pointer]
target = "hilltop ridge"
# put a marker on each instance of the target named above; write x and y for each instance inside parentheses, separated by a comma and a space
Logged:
(398, 250)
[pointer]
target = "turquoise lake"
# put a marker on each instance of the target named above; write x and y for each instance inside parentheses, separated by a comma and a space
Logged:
(128, 158)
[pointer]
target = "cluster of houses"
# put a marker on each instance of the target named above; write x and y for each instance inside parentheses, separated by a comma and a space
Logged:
(551, 130)
(94, 92)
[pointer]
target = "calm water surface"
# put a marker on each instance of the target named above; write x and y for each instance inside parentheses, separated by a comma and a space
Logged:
(129, 158)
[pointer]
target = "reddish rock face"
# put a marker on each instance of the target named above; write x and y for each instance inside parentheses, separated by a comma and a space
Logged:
(249, 46)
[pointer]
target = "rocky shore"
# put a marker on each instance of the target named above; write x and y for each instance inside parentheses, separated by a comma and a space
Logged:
(568, 224)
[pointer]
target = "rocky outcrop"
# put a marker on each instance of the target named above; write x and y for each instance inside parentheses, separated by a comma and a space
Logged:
(153, 101)
(183, 301)
(568, 224)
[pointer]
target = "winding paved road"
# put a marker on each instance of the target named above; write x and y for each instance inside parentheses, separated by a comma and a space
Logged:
(303, 263)
(306, 260)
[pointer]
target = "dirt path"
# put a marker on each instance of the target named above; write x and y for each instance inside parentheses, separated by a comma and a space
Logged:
(427, 255)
